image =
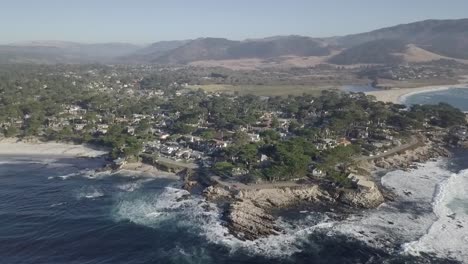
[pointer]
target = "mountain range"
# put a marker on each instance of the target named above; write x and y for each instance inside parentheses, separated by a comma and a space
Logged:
(419, 41)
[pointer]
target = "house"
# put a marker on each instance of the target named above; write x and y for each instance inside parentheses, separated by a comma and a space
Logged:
(254, 137)
(131, 130)
(183, 153)
(318, 173)
(196, 155)
(164, 136)
(359, 133)
(79, 127)
(102, 129)
(325, 144)
(362, 181)
(343, 142)
(169, 150)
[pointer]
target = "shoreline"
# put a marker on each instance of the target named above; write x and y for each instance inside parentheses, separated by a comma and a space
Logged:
(13, 147)
(17, 147)
(399, 95)
(146, 170)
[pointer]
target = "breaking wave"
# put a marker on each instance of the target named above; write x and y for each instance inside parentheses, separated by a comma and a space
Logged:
(448, 235)
(172, 208)
(90, 192)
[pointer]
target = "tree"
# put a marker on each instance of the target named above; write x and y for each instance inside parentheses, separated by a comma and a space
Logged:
(223, 168)
(240, 138)
(11, 131)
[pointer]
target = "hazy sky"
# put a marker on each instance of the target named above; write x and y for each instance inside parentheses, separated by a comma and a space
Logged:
(144, 21)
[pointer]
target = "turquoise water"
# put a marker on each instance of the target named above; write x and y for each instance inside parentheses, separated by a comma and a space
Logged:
(454, 96)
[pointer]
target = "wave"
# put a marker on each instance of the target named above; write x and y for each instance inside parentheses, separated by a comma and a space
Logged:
(133, 186)
(89, 193)
(448, 235)
(415, 222)
(410, 217)
(172, 209)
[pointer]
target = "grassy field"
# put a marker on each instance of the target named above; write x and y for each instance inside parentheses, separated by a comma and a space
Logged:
(265, 90)
(418, 83)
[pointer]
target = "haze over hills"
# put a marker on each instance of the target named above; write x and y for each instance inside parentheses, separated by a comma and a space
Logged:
(430, 39)
(63, 52)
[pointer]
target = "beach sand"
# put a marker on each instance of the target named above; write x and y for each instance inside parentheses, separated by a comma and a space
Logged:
(397, 95)
(15, 147)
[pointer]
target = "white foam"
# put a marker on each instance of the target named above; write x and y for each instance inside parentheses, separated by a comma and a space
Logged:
(90, 192)
(192, 215)
(132, 186)
(407, 219)
(448, 236)
(419, 218)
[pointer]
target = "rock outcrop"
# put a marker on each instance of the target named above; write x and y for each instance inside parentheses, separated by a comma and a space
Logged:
(214, 193)
(363, 197)
(409, 157)
(248, 221)
(282, 197)
(249, 216)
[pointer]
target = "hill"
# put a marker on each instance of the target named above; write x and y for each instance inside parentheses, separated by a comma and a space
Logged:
(199, 49)
(224, 49)
(382, 51)
(50, 52)
(419, 41)
(152, 52)
(443, 37)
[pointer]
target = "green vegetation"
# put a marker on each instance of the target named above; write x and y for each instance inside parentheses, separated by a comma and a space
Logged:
(266, 90)
(273, 138)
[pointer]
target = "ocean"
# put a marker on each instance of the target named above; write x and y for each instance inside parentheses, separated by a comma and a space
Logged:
(455, 96)
(59, 211)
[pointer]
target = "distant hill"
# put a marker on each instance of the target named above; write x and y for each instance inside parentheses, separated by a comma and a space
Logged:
(48, 52)
(383, 51)
(443, 37)
(199, 49)
(419, 41)
(150, 53)
(224, 49)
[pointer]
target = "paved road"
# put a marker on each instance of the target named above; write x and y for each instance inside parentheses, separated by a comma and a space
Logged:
(188, 165)
(240, 186)
(234, 185)
(413, 142)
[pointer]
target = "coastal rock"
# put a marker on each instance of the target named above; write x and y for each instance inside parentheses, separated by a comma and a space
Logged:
(409, 157)
(249, 218)
(248, 221)
(281, 197)
(363, 197)
(213, 193)
(189, 185)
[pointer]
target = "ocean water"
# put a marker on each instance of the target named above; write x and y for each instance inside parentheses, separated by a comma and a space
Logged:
(454, 96)
(60, 211)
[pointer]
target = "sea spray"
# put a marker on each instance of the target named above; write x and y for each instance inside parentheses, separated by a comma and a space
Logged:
(448, 235)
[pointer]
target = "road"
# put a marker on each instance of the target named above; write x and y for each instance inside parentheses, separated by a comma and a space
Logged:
(240, 186)
(235, 185)
(178, 163)
(414, 141)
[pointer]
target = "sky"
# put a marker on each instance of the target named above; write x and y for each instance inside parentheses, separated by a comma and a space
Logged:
(147, 21)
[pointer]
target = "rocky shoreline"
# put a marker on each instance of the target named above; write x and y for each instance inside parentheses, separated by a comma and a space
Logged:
(249, 213)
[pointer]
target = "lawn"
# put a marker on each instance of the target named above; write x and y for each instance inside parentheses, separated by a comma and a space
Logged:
(265, 90)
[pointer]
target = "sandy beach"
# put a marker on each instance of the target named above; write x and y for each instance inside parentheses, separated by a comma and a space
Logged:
(398, 95)
(14, 147)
